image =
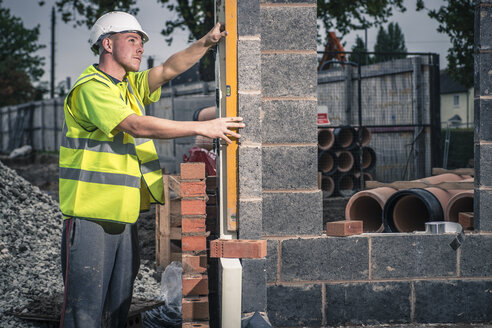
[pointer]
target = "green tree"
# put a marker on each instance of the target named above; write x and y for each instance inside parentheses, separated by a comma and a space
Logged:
(456, 19)
(19, 67)
(347, 16)
(390, 41)
(359, 47)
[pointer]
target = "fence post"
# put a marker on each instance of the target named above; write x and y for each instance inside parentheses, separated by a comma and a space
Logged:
(43, 129)
(435, 111)
(419, 135)
(55, 128)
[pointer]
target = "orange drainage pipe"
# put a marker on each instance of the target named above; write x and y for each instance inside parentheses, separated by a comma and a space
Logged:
(326, 138)
(327, 162)
(345, 184)
(366, 136)
(344, 137)
(327, 185)
(460, 202)
(367, 206)
(345, 160)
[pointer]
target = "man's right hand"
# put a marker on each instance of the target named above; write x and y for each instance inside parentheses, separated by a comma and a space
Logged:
(221, 128)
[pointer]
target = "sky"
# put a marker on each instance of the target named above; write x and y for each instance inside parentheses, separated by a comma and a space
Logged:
(73, 55)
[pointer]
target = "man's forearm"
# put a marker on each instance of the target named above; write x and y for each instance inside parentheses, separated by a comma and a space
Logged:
(157, 128)
(177, 64)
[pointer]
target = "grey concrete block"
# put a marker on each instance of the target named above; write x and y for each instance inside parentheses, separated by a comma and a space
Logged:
(482, 204)
(295, 306)
(272, 260)
(293, 167)
(288, 28)
(292, 213)
(249, 162)
(325, 258)
(249, 108)
(403, 255)
(248, 16)
(287, 121)
(250, 218)
(476, 260)
(368, 303)
(289, 75)
(254, 290)
(483, 170)
(483, 120)
(453, 301)
(483, 34)
(483, 83)
(248, 64)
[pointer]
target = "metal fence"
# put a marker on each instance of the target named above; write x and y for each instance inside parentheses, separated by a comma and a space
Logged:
(397, 99)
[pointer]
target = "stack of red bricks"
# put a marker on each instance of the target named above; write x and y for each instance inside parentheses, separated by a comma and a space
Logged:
(194, 245)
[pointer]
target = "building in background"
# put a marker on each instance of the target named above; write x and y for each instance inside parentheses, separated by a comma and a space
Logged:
(456, 103)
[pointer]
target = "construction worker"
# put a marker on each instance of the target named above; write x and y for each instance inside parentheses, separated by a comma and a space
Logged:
(109, 167)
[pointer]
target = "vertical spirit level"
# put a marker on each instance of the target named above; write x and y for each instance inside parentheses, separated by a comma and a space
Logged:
(230, 269)
(226, 77)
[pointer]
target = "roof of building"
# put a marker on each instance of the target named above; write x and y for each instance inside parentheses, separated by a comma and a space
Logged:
(448, 85)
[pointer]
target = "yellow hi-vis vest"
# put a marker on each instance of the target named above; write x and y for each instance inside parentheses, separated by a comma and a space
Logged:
(107, 178)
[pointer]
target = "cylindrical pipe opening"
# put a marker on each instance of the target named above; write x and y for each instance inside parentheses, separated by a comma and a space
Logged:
(346, 184)
(368, 158)
(345, 137)
(345, 161)
(365, 136)
(462, 202)
(327, 185)
(367, 177)
(408, 210)
(410, 214)
(326, 138)
(327, 162)
(369, 211)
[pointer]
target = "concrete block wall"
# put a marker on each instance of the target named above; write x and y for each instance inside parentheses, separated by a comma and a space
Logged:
(378, 279)
(313, 280)
(250, 151)
(483, 115)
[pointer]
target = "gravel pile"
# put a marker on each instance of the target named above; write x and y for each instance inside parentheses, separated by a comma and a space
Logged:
(30, 232)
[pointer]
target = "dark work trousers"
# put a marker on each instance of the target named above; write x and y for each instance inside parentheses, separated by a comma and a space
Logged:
(100, 261)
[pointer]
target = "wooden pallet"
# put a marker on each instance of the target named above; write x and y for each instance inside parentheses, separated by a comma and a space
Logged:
(168, 223)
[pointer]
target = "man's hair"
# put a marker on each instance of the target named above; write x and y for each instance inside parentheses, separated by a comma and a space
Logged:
(98, 47)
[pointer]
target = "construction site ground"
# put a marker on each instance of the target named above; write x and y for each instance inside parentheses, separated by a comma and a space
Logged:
(41, 170)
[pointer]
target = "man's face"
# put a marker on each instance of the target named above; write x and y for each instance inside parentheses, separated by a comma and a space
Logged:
(128, 50)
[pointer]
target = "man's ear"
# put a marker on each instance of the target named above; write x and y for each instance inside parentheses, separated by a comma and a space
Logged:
(107, 44)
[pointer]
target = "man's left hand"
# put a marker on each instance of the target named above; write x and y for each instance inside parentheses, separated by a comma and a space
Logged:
(215, 34)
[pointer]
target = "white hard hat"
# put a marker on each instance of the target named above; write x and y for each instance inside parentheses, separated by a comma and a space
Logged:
(115, 22)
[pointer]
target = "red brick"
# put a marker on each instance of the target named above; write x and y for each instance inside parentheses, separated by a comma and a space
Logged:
(192, 188)
(194, 263)
(344, 228)
(194, 243)
(192, 225)
(195, 285)
(466, 220)
(236, 248)
(192, 207)
(196, 324)
(195, 308)
(192, 171)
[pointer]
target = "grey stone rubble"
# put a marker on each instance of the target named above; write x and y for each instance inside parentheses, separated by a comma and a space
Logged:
(30, 231)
